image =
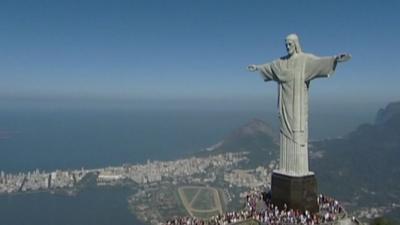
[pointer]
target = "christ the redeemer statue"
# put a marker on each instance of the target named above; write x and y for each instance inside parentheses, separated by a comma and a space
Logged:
(293, 184)
(293, 73)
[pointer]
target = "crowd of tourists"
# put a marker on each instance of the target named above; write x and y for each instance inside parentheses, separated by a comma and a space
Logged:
(259, 207)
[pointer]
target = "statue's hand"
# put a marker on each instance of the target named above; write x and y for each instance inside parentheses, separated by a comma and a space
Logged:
(343, 57)
(252, 68)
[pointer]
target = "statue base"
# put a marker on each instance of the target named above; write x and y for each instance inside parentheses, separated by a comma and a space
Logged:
(297, 192)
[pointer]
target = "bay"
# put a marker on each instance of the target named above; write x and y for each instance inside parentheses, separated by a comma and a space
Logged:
(94, 206)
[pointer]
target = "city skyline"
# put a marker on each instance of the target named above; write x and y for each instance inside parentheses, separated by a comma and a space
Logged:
(185, 52)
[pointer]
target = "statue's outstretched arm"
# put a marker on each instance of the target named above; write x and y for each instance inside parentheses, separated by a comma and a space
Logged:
(266, 71)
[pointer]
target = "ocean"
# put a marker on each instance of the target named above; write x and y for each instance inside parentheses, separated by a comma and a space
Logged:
(49, 140)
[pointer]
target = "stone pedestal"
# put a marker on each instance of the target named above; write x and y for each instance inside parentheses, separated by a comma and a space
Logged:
(298, 192)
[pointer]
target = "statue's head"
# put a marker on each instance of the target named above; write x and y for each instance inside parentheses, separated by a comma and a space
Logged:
(292, 44)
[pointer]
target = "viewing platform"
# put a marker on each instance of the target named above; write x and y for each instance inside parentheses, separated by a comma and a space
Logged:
(260, 210)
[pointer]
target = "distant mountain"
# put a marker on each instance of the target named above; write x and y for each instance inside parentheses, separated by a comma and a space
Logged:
(256, 137)
(387, 113)
(363, 167)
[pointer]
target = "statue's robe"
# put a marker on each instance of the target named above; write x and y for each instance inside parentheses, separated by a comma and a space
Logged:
(293, 75)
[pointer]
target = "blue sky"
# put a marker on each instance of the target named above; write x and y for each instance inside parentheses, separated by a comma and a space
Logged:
(191, 51)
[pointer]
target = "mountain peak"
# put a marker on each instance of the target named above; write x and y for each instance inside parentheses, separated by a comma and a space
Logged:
(254, 127)
(387, 113)
(256, 137)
